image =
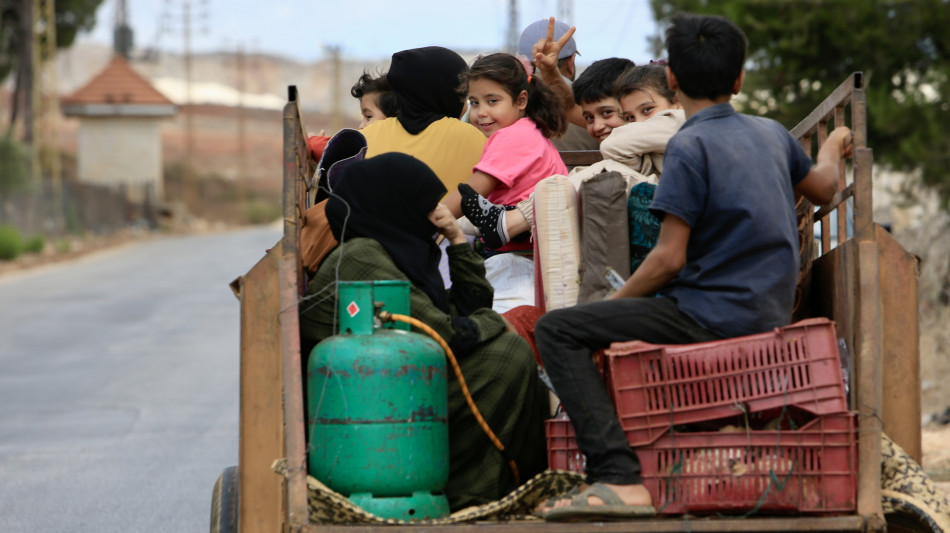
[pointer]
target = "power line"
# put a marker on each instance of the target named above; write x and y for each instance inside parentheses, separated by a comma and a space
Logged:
(189, 16)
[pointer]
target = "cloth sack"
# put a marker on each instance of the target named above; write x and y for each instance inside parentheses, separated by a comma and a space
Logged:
(512, 277)
(604, 240)
(316, 239)
(346, 146)
(556, 234)
(523, 319)
(644, 225)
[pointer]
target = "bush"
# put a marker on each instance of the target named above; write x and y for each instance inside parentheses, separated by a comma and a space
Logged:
(259, 211)
(10, 243)
(14, 165)
(34, 244)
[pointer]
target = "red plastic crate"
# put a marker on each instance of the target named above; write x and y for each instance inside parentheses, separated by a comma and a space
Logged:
(563, 453)
(809, 470)
(656, 387)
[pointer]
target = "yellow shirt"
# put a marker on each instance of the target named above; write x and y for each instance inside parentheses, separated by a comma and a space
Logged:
(449, 146)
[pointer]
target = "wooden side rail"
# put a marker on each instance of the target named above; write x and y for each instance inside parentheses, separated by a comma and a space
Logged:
(847, 278)
(845, 106)
(580, 158)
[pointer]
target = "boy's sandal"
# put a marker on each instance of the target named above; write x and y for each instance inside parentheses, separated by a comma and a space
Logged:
(549, 503)
(613, 508)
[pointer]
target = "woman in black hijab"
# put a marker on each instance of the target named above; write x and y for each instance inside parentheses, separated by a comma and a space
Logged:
(425, 82)
(419, 78)
(385, 212)
(389, 200)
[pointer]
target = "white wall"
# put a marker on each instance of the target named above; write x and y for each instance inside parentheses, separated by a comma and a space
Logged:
(117, 150)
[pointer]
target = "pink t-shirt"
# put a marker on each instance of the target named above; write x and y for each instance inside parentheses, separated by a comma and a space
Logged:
(518, 156)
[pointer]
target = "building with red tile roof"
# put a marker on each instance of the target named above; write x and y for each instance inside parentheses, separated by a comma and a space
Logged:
(118, 90)
(119, 139)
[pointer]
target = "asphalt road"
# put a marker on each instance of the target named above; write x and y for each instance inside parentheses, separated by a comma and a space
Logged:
(119, 385)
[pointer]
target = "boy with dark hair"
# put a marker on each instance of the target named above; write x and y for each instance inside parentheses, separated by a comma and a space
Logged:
(590, 101)
(634, 149)
(593, 95)
(377, 99)
(596, 81)
(725, 263)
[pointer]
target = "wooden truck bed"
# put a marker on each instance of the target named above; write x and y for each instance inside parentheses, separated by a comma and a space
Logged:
(862, 280)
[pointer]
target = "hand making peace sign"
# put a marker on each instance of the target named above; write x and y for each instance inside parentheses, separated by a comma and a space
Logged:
(546, 50)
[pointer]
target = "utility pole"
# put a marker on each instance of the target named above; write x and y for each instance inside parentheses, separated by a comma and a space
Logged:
(45, 148)
(167, 25)
(336, 75)
(241, 121)
(514, 33)
(565, 11)
(121, 32)
(189, 124)
(188, 16)
(23, 90)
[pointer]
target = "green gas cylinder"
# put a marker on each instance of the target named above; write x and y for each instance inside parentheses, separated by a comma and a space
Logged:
(377, 408)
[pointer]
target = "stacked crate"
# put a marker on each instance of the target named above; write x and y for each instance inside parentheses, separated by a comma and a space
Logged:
(755, 423)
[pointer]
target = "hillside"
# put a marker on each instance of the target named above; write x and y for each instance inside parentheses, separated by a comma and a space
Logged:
(216, 110)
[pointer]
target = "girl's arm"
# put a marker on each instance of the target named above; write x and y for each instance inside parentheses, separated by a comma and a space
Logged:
(630, 142)
(483, 185)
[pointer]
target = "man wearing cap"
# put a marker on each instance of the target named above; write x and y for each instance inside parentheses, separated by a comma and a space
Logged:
(576, 137)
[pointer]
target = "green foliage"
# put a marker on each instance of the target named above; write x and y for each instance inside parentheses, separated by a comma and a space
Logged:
(11, 245)
(34, 244)
(14, 165)
(72, 16)
(800, 50)
(260, 211)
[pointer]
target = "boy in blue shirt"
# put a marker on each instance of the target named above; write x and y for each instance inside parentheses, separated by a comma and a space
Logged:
(725, 263)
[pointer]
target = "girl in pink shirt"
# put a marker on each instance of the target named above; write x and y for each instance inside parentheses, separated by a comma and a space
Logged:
(519, 114)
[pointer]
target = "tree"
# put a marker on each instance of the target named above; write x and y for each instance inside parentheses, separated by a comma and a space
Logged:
(799, 50)
(72, 16)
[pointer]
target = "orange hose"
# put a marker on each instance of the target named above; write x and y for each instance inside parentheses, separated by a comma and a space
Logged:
(386, 316)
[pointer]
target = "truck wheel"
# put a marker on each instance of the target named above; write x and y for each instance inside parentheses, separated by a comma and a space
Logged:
(904, 514)
(910, 500)
(224, 502)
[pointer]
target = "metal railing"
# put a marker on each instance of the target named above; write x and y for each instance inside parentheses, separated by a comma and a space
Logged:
(851, 207)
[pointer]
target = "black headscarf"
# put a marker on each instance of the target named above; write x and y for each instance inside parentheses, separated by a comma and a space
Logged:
(425, 82)
(389, 198)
